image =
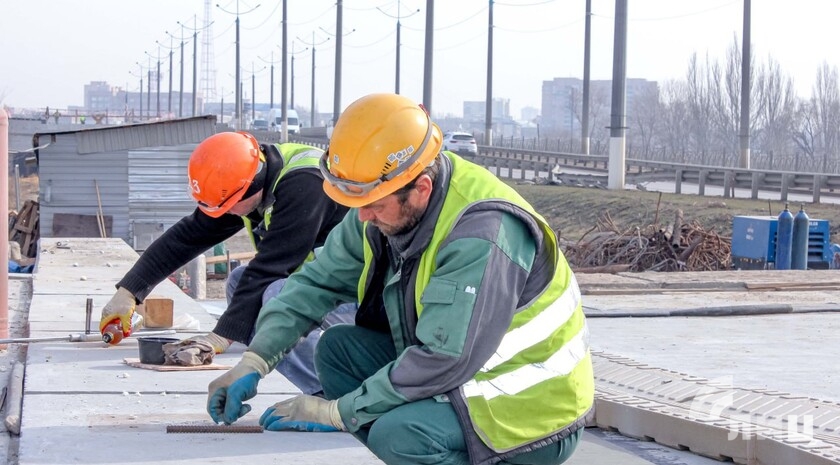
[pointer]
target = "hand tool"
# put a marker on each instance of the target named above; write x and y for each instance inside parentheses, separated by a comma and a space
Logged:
(79, 337)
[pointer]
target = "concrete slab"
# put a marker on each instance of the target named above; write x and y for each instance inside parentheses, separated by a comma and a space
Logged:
(82, 393)
(795, 353)
(112, 428)
(95, 367)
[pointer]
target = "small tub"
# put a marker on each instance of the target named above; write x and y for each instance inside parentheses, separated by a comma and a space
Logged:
(151, 349)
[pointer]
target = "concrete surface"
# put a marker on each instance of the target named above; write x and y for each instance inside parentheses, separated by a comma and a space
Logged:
(83, 405)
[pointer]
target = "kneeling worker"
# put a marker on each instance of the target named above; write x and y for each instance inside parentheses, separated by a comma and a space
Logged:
(470, 343)
(274, 192)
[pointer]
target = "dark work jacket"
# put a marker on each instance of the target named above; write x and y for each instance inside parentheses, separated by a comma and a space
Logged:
(301, 218)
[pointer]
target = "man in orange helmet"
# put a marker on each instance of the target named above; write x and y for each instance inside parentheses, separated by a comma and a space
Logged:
(274, 192)
(470, 343)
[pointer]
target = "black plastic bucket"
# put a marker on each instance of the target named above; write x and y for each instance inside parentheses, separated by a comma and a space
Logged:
(151, 349)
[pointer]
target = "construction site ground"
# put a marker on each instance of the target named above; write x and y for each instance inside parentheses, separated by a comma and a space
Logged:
(734, 366)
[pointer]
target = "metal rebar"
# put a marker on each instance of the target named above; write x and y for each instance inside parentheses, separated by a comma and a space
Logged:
(88, 313)
(214, 429)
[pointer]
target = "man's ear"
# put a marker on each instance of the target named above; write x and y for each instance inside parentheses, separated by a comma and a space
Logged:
(423, 186)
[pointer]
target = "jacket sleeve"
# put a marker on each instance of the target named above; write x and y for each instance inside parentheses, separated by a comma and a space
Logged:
(312, 292)
(185, 240)
(301, 211)
(468, 304)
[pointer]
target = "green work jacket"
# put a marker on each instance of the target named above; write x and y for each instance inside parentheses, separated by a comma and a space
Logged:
(482, 307)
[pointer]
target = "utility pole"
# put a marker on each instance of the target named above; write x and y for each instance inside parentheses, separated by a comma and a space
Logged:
(339, 35)
(339, 32)
(615, 172)
(254, 90)
(313, 44)
(271, 79)
(745, 89)
(181, 80)
(140, 67)
(488, 105)
(171, 49)
(284, 129)
(292, 74)
(397, 73)
(238, 110)
(584, 120)
(195, 30)
(157, 82)
(428, 55)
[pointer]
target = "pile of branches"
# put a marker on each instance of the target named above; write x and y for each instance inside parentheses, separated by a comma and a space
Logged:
(676, 246)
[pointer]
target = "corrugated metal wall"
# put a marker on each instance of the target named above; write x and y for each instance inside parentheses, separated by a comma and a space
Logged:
(66, 182)
(157, 191)
(143, 188)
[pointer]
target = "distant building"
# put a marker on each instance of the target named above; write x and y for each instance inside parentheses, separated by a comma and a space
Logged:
(562, 101)
(529, 114)
(477, 111)
(115, 102)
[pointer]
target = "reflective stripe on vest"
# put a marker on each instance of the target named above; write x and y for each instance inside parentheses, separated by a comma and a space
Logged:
(539, 328)
(540, 380)
(560, 364)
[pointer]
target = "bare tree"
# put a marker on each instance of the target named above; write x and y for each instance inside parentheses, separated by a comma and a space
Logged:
(674, 130)
(805, 131)
(774, 126)
(826, 107)
(643, 119)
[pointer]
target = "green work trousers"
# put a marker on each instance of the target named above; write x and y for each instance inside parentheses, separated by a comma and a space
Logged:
(426, 431)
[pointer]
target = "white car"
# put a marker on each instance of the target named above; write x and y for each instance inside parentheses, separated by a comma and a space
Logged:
(462, 143)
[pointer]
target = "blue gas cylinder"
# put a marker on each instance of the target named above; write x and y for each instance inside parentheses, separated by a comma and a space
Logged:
(799, 249)
(784, 239)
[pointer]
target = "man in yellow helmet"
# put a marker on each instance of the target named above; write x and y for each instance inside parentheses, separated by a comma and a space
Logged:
(470, 343)
(274, 192)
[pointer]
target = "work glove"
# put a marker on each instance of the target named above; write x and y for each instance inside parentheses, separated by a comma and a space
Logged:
(197, 350)
(303, 413)
(121, 306)
(227, 392)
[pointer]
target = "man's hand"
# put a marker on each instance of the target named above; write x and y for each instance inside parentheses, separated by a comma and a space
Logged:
(120, 306)
(197, 350)
(227, 392)
(303, 413)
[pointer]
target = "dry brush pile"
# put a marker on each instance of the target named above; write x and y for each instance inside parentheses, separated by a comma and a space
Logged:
(675, 246)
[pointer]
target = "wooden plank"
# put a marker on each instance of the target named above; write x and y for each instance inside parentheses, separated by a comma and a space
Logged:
(233, 256)
(135, 362)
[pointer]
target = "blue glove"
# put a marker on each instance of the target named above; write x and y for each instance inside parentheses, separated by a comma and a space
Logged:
(303, 413)
(227, 392)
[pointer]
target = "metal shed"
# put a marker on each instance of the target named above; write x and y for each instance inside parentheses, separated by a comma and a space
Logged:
(139, 171)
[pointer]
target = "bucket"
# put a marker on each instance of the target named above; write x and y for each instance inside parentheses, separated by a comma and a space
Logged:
(151, 349)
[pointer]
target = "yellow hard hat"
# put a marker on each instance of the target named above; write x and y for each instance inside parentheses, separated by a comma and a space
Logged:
(221, 169)
(379, 144)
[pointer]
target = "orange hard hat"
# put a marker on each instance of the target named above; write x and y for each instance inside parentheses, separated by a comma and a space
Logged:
(221, 169)
(379, 144)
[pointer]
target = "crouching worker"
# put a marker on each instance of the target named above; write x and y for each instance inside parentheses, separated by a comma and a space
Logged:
(274, 192)
(470, 343)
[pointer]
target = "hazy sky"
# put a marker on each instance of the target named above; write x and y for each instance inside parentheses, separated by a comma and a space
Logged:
(52, 48)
